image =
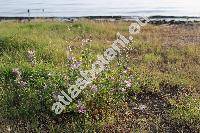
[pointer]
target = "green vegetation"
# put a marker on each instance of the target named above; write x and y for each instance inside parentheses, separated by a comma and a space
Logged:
(152, 86)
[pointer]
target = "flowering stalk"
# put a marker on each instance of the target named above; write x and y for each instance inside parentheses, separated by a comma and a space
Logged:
(31, 57)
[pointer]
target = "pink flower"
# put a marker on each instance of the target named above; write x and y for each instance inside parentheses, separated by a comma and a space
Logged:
(22, 84)
(31, 57)
(142, 107)
(31, 54)
(71, 58)
(128, 83)
(126, 70)
(81, 108)
(76, 65)
(94, 88)
(16, 72)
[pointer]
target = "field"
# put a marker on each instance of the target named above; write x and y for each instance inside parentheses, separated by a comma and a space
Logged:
(152, 86)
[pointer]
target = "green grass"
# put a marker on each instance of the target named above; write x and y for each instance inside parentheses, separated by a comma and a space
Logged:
(164, 70)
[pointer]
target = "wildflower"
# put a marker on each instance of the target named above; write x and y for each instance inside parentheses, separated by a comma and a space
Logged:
(70, 48)
(94, 88)
(76, 65)
(81, 108)
(142, 107)
(128, 83)
(31, 57)
(16, 73)
(126, 70)
(112, 78)
(71, 58)
(31, 54)
(22, 84)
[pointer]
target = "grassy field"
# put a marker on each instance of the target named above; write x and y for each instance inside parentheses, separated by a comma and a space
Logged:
(153, 86)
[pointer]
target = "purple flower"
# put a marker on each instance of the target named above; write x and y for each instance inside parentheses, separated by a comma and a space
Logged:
(81, 108)
(71, 58)
(94, 88)
(128, 83)
(22, 84)
(76, 65)
(126, 70)
(31, 57)
(16, 72)
(142, 107)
